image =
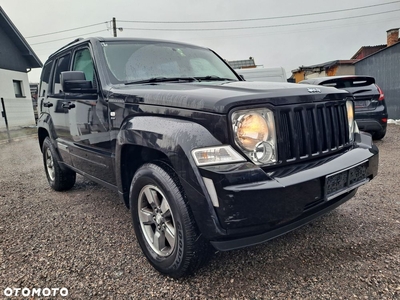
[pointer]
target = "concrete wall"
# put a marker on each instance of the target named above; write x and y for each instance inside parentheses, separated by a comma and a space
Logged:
(385, 67)
(345, 70)
(315, 75)
(19, 110)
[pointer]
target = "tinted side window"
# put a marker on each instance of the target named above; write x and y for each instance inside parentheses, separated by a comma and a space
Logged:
(45, 79)
(62, 65)
(83, 62)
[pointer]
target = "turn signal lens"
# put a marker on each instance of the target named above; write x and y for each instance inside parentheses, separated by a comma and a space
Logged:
(216, 155)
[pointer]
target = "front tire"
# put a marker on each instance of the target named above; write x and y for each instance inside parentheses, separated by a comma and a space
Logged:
(58, 178)
(163, 222)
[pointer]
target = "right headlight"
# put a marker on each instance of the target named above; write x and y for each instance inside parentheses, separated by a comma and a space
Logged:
(254, 132)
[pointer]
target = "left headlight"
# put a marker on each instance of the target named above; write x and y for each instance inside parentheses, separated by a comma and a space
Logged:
(255, 134)
(350, 119)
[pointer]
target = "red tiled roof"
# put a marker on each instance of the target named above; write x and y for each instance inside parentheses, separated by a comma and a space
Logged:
(364, 51)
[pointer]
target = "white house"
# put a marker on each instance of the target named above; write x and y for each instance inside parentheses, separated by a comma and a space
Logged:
(16, 60)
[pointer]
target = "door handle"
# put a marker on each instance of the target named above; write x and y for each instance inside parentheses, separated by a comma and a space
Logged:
(47, 104)
(68, 105)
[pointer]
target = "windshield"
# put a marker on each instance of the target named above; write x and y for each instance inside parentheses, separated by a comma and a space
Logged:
(138, 61)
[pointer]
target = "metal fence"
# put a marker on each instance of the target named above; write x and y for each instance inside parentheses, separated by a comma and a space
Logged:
(385, 67)
(17, 119)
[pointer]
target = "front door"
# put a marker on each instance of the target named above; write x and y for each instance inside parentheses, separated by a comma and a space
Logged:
(88, 125)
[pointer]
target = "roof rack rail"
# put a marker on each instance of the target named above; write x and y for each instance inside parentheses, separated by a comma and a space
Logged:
(73, 42)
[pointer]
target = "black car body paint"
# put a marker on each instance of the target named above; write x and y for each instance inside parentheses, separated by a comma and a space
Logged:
(109, 133)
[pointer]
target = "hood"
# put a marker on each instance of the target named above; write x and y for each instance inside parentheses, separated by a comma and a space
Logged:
(220, 97)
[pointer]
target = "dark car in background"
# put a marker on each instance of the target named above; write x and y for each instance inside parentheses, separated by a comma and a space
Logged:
(369, 101)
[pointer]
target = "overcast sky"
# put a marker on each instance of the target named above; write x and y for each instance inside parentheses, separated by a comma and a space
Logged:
(274, 43)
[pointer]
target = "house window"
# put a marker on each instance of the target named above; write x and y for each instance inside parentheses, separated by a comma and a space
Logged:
(18, 88)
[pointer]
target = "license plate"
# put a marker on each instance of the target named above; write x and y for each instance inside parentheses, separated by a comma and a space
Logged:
(361, 103)
(342, 182)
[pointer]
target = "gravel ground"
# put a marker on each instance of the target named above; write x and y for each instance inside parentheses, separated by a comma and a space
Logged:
(83, 240)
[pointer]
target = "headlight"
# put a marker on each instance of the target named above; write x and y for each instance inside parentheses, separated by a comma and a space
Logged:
(254, 132)
(350, 119)
(252, 128)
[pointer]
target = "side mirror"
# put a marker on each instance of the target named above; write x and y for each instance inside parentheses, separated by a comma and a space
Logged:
(75, 82)
(241, 76)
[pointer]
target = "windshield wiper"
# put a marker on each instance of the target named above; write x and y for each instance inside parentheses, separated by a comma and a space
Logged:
(162, 79)
(214, 78)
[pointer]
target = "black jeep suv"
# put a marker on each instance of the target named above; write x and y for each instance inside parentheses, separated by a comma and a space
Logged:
(369, 101)
(200, 156)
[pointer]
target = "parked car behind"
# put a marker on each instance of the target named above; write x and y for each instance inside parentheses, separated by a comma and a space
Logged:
(369, 101)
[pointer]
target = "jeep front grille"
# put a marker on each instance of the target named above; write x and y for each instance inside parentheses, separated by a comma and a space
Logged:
(311, 130)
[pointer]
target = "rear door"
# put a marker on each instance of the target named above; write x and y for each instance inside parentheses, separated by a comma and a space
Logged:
(44, 87)
(54, 104)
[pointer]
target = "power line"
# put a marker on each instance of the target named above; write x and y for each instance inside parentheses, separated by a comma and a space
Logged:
(265, 26)
(68, 37)
(220, 21)
(76, 28)
(288, 31)
(260, 19)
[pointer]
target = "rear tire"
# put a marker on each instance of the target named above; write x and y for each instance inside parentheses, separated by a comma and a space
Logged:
(59, 179)
(379, 134)
(163, 222)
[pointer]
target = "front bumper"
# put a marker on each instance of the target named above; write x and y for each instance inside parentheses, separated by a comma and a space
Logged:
(255, 205)
(238, 243)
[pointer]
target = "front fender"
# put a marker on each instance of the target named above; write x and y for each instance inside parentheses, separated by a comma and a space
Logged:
(176, 139)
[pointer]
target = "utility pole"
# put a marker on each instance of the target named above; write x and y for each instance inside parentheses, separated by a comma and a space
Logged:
(4, 115)
(114, 23)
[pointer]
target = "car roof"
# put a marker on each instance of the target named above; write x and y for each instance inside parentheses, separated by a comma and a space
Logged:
(117, 39)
